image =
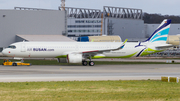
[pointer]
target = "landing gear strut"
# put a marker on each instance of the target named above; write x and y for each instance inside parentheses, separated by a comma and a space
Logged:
(91, 63)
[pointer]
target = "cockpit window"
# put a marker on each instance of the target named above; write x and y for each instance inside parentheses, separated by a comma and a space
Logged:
(13, 47)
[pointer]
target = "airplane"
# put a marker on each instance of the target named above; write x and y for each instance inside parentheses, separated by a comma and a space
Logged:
(80, 52)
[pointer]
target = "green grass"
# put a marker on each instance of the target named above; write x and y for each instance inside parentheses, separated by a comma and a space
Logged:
(54, 62)
(90, 91)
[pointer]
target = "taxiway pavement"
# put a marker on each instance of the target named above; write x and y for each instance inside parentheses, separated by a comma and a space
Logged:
(87, 73)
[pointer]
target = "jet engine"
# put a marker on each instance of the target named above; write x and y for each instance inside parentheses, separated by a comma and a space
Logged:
(74, 58)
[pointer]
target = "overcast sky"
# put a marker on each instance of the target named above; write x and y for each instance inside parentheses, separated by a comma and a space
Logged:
(164, 7)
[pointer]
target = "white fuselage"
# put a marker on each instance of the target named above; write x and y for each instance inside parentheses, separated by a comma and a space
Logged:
(60, 49)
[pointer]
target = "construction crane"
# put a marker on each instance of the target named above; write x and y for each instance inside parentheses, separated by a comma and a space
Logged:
(101, 24)
(63, 5)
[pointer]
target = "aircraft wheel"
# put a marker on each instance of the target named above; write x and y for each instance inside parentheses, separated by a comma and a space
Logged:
(91, 63)
(84, 63)
(14, 64)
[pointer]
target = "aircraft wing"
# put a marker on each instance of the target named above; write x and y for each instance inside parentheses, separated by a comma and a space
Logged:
(94, 52)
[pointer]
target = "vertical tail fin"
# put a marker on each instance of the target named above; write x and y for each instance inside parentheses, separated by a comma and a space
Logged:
(161, 33)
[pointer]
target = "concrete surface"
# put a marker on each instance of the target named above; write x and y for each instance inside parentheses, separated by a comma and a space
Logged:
(81, 73)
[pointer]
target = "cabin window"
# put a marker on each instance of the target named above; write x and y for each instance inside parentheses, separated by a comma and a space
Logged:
(13, 47)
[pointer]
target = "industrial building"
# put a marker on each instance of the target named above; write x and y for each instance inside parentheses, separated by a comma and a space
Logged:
(125, 22)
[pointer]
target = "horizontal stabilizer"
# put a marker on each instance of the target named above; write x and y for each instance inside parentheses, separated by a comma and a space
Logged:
(165, 46)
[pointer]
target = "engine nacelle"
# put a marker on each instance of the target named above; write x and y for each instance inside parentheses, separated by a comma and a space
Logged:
(74, 58)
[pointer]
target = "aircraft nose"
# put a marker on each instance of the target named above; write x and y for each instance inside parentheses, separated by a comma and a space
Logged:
(4, 52)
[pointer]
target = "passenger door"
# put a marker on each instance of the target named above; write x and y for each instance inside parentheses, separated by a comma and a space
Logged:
(23, 47)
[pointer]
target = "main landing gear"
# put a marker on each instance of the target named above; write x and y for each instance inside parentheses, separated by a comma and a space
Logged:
(91, 63)
(84, 63)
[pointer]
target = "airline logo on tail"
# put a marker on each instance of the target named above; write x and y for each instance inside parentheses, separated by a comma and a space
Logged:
(161, 33)
(158, 38)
